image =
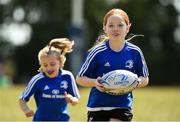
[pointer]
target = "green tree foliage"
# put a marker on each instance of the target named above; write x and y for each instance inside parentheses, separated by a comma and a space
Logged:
(157, 20)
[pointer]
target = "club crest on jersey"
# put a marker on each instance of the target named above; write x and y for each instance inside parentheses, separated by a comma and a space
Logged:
(64, 84)
(129, 64)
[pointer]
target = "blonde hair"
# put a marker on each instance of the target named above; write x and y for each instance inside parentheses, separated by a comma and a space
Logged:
(57, 47)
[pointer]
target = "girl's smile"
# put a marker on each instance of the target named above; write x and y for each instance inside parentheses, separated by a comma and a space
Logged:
(50, 65)
(50, 72)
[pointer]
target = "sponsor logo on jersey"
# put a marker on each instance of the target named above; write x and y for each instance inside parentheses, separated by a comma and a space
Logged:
(52, 96)
(55, 91)
(129, 64)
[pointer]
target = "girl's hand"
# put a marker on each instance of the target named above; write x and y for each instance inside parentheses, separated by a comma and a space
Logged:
(28, 112)
(70, 99)
(98, 85)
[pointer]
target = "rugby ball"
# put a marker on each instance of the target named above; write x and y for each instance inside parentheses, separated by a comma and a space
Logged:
(119, 82)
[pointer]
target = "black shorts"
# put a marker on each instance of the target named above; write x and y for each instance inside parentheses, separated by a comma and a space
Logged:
(120, 114)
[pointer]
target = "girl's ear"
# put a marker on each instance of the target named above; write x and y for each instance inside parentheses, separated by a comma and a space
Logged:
(128, 28)
(60, 65)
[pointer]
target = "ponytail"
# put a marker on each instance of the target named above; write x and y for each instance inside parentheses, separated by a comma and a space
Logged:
(57, 47)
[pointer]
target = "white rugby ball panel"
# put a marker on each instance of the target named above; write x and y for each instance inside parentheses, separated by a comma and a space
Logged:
(119, 82)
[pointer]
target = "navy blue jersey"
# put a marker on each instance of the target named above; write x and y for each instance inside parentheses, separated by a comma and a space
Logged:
(49, 95)
(102, 59)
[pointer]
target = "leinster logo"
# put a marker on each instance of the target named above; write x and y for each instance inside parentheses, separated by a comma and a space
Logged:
(64, 84)
(129, 64)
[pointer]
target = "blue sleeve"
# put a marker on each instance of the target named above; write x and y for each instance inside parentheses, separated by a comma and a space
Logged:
(31, 88)
(88, 65)
(72, 87)
(141, 67)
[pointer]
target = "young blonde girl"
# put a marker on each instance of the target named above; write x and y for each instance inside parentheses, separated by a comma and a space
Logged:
(53, 87)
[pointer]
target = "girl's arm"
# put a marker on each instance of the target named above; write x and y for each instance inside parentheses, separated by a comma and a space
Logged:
(85, 81)
(28, 112)
(90, 82)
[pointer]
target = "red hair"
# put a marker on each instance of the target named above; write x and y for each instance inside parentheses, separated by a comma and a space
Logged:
(119, 12)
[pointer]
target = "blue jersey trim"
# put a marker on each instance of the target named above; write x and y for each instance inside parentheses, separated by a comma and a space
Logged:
(93, 52)
(30, 85)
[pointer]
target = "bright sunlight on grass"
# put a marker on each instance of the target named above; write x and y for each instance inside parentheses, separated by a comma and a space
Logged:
(150, 104)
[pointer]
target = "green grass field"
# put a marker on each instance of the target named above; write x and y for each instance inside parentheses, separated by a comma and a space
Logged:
(150, 104)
